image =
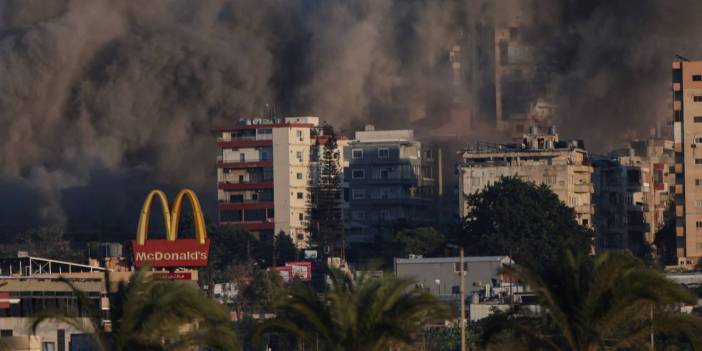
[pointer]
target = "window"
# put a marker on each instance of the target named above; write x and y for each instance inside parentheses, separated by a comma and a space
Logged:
(698, 139)
(698, 203)
(697, 78)
(383, 152)
(301, 216)
(697, 99)
(230, 216)
(457, 267)
(698, 224)
(5, 332)
(357, 154)
(48, 346)
(698, 119)
(236, 198)
(698, 181)
(299, 175)
(698, 161)
(242, 157)
(298, 133)
(241, 178)
(358, 194)
(358, 215)
(299, 156)
(300, 196)
(358, 174)
(384, 173)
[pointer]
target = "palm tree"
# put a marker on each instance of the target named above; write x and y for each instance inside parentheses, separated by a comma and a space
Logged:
(363, 314)
(146, 314)
(612, 301)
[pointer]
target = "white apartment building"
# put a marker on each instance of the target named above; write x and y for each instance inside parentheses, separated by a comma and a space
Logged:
(264, 173)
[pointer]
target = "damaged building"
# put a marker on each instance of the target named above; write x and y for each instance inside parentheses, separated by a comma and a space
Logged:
(541, 158)
(632, 194)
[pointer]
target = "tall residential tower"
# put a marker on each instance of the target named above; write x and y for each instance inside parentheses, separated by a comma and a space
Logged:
(263, 176)
(687, 135)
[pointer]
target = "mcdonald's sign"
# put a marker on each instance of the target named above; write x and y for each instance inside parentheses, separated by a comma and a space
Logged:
(171, 252)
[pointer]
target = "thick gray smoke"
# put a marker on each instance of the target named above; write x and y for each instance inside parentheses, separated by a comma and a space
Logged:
(93, 93)
(613, 62)
(101, 100)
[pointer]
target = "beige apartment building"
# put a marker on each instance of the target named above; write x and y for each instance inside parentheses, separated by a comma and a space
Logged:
(540, 158)
(687, 135)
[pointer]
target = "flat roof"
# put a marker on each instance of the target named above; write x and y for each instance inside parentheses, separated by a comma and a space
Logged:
(467, 259)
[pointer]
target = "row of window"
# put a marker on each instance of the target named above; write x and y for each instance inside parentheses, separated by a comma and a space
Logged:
(357, 154)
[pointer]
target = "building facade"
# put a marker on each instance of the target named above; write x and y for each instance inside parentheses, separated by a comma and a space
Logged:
(263, 174)
(687, 135)
(540, 158)
(391, 183)
(632, 193)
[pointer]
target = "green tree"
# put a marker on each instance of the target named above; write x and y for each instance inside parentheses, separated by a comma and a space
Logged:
(609, 302)
(419, 241)
(230, 245)
(362, 314)
(150, 315)
(523, 220)
(327, 224)
(265, 291)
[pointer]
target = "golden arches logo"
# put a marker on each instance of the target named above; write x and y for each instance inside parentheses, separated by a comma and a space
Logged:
(171, 217)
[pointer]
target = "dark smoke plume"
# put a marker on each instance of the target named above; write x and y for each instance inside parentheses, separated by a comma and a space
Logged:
(613, 62)
(93, 93)
(102, 100)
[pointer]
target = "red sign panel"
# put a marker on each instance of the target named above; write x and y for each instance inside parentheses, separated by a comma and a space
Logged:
(172, 275)
(296, 271)
(165, 253)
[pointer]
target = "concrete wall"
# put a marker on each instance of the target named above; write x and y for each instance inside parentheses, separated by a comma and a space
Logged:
(291, 155)
(480, 271)
(47, 332)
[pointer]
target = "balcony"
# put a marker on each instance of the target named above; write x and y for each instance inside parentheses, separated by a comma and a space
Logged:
(678, 168)
(676, 87)
(255, 226)
(583, 189)
(246, 205)
(583, 209)
(679, 211)
(238, 143)
(245, 185)
(241, 165)
(679, 189)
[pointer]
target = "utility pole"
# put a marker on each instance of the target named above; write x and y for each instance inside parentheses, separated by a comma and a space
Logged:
(463, 302)
(653, 340)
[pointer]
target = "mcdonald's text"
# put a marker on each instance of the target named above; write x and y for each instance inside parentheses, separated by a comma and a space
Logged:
(166, 253)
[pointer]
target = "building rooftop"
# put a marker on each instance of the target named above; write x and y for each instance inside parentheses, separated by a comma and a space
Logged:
(372, 135)
(503, 259)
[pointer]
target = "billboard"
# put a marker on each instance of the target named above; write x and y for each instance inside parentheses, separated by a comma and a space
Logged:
(171, 252)
(296, 271)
